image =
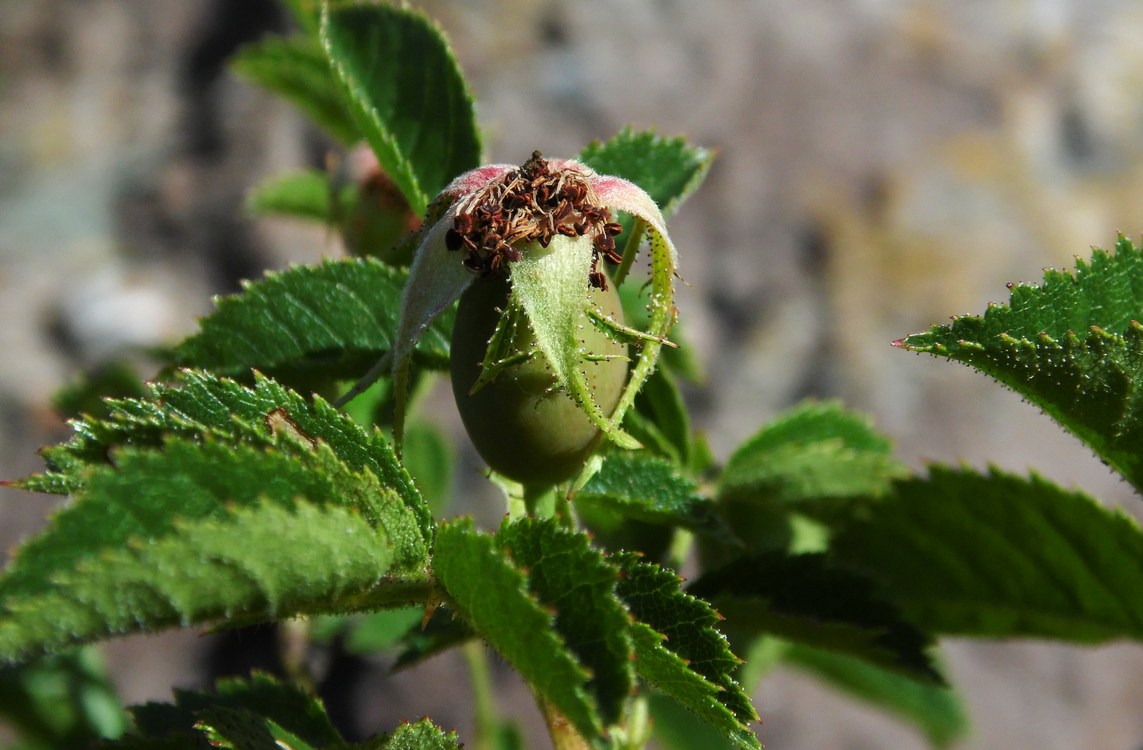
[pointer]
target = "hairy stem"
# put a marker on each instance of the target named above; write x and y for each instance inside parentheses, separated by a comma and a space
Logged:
(563, 734)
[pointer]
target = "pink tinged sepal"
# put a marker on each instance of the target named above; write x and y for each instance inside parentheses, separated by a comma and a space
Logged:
(619, 194)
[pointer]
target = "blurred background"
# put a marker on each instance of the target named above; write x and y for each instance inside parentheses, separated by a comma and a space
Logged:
(883, 164)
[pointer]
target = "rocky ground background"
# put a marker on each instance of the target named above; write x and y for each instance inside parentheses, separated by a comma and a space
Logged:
(882, 165)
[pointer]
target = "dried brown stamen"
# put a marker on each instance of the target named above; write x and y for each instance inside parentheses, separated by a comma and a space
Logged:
(534, 203)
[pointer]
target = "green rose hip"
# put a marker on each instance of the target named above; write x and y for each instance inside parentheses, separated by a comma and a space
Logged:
(520, 423)
(539, 358)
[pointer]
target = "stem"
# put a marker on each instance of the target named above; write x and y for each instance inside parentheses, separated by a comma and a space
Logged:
(563, 734)
(485, 717)
(393, 592)
(540, 500)
(681, 543)
(293, 648)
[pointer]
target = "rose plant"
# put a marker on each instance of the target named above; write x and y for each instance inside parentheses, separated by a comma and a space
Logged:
(277, 468)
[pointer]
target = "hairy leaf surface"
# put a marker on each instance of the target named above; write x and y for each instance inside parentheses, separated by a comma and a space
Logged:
(996, 555)
(492, 594)
(260, 563)
(814, 451)
(336, 317)
(406, 95)
(1073, 346)
(150, 492)
(645, 488)
(202, 406)
(260, 714)
(679, 651)
(570, 576)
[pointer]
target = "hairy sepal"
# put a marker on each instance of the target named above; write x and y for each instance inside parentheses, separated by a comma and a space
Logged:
(550, 285)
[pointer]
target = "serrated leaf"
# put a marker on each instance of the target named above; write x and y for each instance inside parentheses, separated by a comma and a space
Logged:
(679, 651)
(297, 69)
(260, 714)
(811, 452)
(150, 492)
(239, 729)
(806, 599)
(676, 728)
(568, 575)
(243, 714)
(304, 194)
(260, 563)
(996, 555)
(935, 710)
(1072, 346)
(336, 318)
(645, 488)
(202, 406)
(406, 95)
(292, 708)
(668, 169)
(422, 735)
(491, 593)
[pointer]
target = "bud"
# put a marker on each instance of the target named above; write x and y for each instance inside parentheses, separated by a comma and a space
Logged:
(539, 352)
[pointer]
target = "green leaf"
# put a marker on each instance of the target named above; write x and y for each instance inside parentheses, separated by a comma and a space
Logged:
(423, 735)
(571, 577)
(676, 728)
(65, 700)
(406, 94)
(336, 318)
(806, 599)
(203, 407)
(935, 710)
(297, 69)
(679, 651)
(304, 194)
(152, 491)
(239, 729)
(645, 488)
(996, 555)
(668, 169)
(1073, 347)
(261, 714)
(259, 564)
(296, 711)
(379, 631)
(812, 452)
(428, 456)
(251, 561)
(492, 594)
